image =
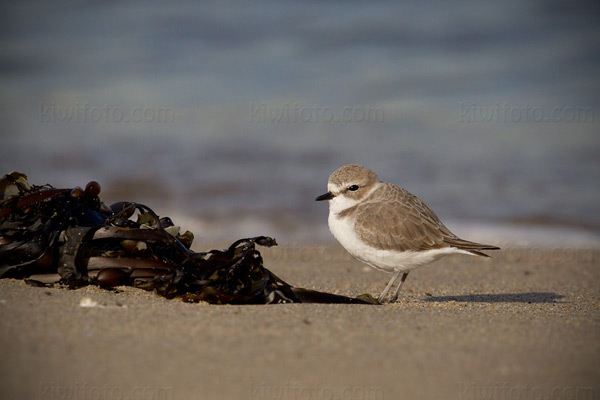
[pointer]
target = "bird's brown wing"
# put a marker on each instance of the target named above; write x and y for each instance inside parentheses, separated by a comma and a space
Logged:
(395, 219)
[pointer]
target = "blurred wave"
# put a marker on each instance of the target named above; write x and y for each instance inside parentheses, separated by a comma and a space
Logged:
(434, 70)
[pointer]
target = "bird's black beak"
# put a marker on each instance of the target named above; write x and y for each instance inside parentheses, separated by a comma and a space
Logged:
(326, 196)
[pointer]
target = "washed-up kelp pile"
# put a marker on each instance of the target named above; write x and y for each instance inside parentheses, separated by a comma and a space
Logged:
(69, 237)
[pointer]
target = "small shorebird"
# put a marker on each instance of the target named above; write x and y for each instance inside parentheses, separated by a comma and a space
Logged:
(387, 227)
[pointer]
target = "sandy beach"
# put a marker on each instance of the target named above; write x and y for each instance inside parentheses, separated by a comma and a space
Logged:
(229, 119)
(522, 325)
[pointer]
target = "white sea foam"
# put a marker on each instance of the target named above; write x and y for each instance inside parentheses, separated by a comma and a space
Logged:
(500, 234)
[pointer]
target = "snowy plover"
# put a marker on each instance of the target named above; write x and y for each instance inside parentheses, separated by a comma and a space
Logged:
(387, 227)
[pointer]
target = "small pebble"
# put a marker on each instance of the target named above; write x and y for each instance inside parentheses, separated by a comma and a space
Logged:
(88, 302)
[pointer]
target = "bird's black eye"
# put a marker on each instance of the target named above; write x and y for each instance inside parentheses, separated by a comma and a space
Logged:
(353, 188)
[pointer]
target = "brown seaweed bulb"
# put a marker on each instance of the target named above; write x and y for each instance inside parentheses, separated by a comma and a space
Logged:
(92, 189)
(109, 277)
(77, 192)
(129, 245)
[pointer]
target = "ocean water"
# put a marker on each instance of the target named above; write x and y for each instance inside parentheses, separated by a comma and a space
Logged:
(229, 117)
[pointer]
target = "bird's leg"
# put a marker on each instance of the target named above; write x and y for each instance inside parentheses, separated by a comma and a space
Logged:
(389, 285)
(399, 286)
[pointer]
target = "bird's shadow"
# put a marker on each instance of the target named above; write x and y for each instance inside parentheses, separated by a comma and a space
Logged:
(531, 297)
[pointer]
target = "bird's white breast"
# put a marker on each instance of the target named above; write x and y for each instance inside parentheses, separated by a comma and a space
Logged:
(386, 260)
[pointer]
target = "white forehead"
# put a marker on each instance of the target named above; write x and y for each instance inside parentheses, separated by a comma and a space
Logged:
(334, 188)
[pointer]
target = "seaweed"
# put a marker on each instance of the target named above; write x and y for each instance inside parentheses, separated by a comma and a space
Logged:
(69, 237)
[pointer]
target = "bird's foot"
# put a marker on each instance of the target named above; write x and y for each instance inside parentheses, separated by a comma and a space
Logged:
(392, 300)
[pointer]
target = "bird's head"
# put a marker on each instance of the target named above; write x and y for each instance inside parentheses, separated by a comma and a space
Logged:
(349, 185)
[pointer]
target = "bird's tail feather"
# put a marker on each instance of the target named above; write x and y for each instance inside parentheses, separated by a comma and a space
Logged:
(471, 247)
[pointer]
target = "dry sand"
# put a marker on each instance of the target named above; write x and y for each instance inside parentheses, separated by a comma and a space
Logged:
(525, 324)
